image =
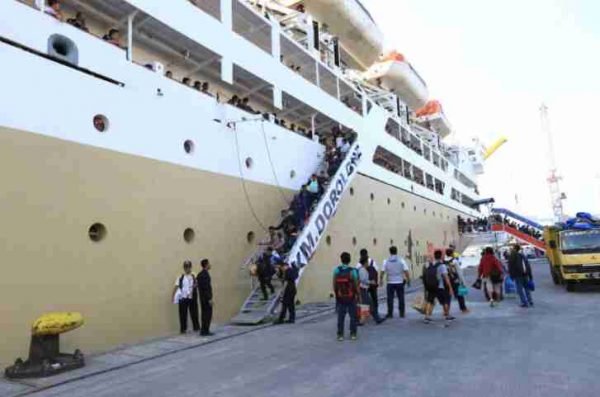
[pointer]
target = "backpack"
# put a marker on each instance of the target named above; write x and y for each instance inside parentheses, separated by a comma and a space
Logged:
(372, 274)
(345, 286)
(430, 279)
(452, 271)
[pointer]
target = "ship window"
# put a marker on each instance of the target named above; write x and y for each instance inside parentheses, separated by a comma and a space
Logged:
(353, 240)
(188, 146)
(351, 191)
(372, 197)
(403, 204)
(249, 162)
(374, 241)
(250, 237)
(328, 240)
(97, 232)
(292, 174)
(415, 208)
(389, 201)
(100, 123)
(391, 241)
(188, 235)
(64, 48)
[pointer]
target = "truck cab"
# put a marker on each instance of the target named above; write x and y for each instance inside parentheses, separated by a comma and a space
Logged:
(574, 255)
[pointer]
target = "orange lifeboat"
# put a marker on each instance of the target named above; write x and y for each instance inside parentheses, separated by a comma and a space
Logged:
(432, 115)
(394, 73)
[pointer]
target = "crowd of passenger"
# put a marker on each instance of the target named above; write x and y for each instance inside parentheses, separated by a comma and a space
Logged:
(470, 225)
(522, 227)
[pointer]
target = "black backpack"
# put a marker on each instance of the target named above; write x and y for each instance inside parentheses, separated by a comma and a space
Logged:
(372, 274)
(430, 278)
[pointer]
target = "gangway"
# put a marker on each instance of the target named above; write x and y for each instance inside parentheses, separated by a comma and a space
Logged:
(256, 310)
(523, 237)
(520, 218)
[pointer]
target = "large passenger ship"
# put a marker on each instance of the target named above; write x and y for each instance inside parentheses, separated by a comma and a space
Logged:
(124, 152)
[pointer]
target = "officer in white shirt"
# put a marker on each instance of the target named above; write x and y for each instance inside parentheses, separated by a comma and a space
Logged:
(186, 296)
(397, 273)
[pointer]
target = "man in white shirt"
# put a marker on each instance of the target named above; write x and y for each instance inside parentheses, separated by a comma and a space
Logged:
(396, 270)
(185, 295)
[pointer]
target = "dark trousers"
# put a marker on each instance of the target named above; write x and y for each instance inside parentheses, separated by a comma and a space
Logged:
(524, 293)
(374, 299)
(206, 316)
(185, 306)
(349, 308)
(288, 304)
(366, 299)
(461, 299)
(264, 283)
(398, 290)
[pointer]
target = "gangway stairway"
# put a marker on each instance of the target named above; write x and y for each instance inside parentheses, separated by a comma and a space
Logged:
(523, 237)
(256, 310)
(517, 217)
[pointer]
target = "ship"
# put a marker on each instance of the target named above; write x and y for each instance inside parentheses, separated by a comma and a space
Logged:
(128, 147)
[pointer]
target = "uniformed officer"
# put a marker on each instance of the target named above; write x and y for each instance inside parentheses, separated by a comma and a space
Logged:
(206, 298)
(288, 299)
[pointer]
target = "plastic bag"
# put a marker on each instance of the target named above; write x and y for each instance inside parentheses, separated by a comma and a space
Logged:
(477, 284)
(462, 290)
(530, 285)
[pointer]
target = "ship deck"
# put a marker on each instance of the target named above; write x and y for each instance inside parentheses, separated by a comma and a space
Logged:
(501, 351)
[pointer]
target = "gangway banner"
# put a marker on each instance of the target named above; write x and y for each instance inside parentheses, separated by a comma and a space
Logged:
(308, 240)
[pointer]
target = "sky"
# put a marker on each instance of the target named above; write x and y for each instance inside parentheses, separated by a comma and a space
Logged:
(492, 64)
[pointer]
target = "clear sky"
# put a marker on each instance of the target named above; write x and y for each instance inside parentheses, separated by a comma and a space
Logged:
(491, 64)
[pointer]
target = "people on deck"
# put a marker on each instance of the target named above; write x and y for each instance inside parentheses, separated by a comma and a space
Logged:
(396, 271)
(184, 294)
(113, 37)
(78, 21)
(52, 8)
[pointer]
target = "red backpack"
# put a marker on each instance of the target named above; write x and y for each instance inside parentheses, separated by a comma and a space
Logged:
(345, 285)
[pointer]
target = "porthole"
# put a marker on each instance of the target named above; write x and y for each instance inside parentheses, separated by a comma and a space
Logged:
(372, 197)
(389, 201)
(292, 174)
(415, 208)
(433, 213)
(354, 241)
(391, 241)
(249, 162)
(188, 146)
(328, 240)
(424, 211)
(97, 232)
(374, 241)
(188, 235)
(403, 204)
(250, 237)
(100, 123)
(351, 191)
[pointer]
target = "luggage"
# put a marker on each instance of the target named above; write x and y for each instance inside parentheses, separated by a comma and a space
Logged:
(419, 304)
(364, 312)
(462, 290)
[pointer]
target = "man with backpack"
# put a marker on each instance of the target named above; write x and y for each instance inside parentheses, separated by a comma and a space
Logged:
(437, 286)
(373, 272)
(288, 299)
(520, 271)
(265, 271)
(490, 272)
(455, 274)
(345, 287)
(186, 297)
(396, 270)
(365, 277)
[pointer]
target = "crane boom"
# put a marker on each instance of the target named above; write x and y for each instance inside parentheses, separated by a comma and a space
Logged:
(554, 178)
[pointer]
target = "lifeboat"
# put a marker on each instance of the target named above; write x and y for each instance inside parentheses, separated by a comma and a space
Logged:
(394, 73)
(432, 115)
(351, 22)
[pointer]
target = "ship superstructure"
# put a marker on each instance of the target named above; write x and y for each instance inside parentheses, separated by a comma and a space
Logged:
(172, 130)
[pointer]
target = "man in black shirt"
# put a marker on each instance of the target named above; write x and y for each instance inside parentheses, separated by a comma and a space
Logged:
(290, 274)
(206, 298)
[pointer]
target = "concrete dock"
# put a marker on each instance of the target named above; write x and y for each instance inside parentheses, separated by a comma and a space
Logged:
(550, 350)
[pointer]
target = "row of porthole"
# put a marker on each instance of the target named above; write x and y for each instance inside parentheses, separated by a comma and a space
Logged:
(101, 124)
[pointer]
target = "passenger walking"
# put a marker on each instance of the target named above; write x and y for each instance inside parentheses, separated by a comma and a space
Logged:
(264, 272)
(437, 286)
(396, 270)
(365, 286)
(206, 297)
(288, 299)
(345, 287)
(457, 278)
(490, 272)
(520, 271)
(184, 294)
(373, 271)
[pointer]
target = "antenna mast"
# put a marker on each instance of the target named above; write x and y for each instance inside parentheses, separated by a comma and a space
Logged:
(553, 177)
